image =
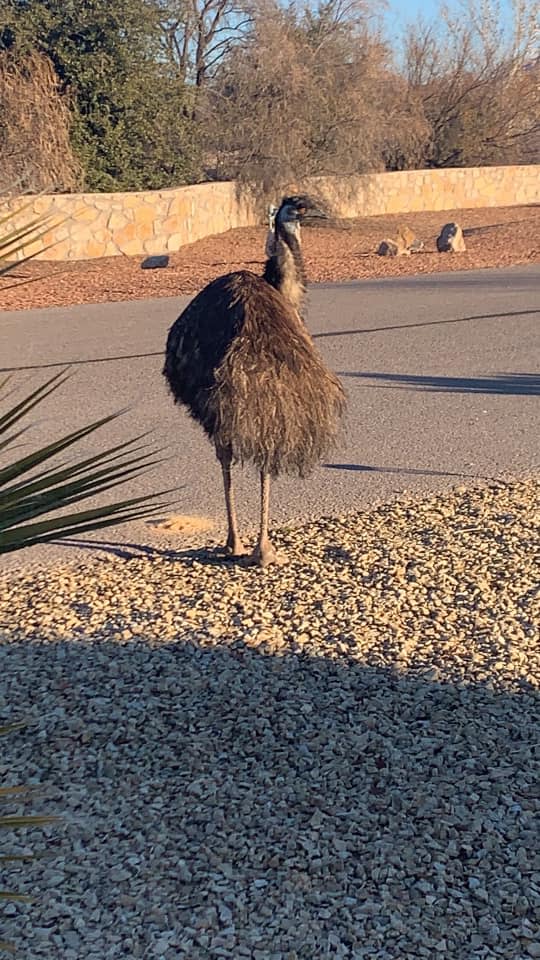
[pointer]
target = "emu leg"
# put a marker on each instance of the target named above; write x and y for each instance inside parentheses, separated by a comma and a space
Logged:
(264, 553)
(234, 544)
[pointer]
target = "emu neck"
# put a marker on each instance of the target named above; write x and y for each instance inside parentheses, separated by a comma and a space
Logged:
(285, 268)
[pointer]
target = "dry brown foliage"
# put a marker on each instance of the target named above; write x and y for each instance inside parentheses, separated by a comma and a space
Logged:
(306, 97)
(477, 85)
(35, 150)
(318, 91)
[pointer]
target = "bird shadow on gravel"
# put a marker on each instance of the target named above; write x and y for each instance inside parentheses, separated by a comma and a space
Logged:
(405, 471)
(219, 801)
(134, 551)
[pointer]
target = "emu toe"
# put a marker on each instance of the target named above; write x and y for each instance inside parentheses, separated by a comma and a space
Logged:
(234, 547)
(263, 555)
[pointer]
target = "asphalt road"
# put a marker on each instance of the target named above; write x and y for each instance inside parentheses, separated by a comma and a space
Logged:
(441, 373)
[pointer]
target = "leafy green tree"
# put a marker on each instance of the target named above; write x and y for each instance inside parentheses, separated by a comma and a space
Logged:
(130, 129)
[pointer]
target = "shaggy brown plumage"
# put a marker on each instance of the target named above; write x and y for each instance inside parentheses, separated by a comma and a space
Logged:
(256, 385)
(240, 359)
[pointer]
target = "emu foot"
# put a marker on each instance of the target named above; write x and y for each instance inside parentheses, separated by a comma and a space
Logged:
(234, 547)
(263, 555)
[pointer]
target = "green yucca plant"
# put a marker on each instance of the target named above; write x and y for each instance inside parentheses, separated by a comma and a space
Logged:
(29, 494)
(36, 485)
(16, 823)
(13, 239)
(26, 496)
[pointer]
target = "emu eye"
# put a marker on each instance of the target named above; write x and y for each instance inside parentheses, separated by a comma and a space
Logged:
(301, 209)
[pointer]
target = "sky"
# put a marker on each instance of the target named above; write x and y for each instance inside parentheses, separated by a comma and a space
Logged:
(400, 12)
(408, 9)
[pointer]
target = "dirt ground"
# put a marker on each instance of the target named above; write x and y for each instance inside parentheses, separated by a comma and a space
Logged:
(495, 237)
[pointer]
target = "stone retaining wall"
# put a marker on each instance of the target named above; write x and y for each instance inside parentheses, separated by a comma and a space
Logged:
(86, 226)
(411, 191)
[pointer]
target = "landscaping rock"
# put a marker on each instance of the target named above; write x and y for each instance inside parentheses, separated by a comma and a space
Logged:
(156, 262)
(389, 248)
(405, 238)
(450, 239)
(404, 244)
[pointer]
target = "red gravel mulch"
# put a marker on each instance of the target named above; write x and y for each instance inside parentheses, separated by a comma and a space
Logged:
(495, 237)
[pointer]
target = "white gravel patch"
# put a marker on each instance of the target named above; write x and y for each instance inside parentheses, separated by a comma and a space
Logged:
(333, 759)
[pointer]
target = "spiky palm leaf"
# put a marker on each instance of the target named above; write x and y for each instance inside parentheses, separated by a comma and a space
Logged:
(31, 488)
(29, 493)
(14, 239)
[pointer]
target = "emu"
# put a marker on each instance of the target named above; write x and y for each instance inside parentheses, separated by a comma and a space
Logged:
(241, 360)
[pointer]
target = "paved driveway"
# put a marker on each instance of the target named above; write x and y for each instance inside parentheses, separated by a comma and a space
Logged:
(441, 372)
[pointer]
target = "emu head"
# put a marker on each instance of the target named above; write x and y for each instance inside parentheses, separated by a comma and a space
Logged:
(299, 209)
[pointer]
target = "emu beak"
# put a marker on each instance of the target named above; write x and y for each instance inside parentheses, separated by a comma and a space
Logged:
(316, 213)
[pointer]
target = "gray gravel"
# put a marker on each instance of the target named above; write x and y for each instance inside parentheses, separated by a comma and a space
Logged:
(333, 759)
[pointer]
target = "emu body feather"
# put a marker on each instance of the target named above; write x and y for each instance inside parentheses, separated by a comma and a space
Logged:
(243, 363)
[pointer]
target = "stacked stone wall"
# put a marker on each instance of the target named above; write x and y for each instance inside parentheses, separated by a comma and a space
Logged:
(87, 226)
